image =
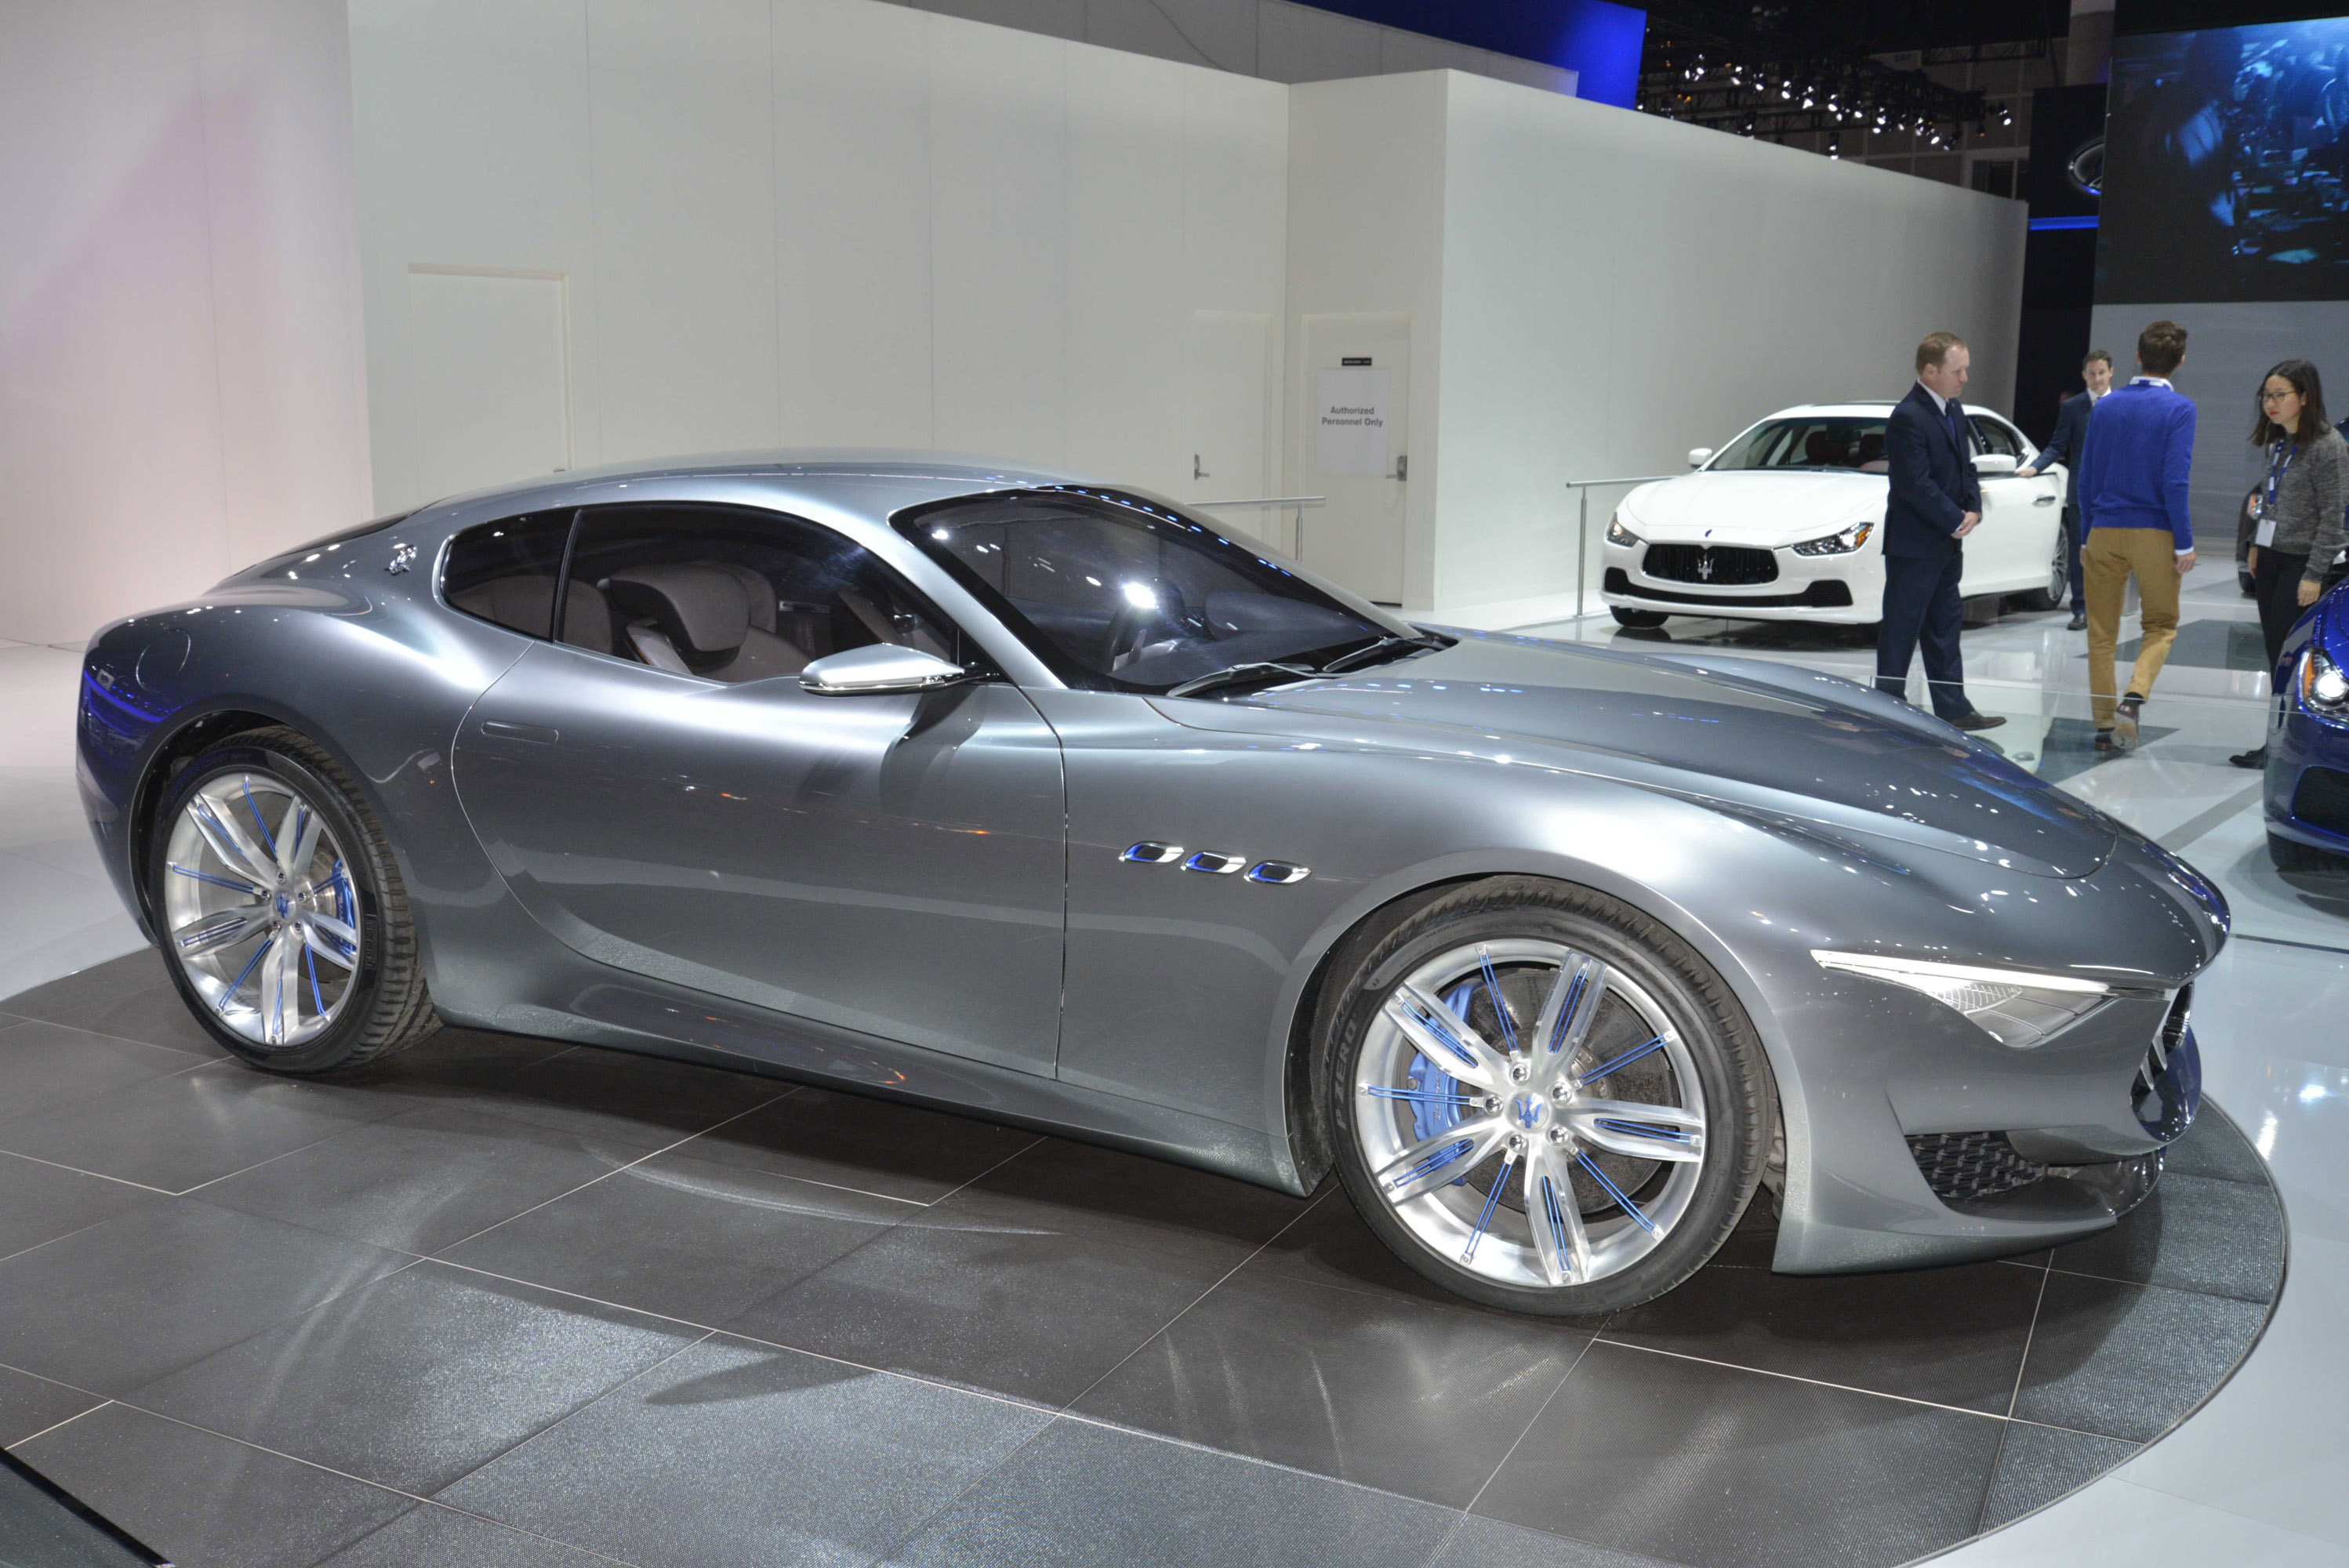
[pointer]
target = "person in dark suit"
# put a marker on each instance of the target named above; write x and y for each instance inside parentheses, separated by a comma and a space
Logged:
(2065, 446)
(1935, 503)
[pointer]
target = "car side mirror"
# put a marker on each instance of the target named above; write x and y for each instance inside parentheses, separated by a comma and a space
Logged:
(877, 670)
(1700, 456)
(1995, 463)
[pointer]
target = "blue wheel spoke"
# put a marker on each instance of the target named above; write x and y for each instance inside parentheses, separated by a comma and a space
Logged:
(1556, 1218)
(1491, 1199)
(1566, 1013)
(266, 836)
(250, 965)
(1619, 1063)
(1419, 1096)
(1617, 1193)
(1643, 1129)
(310, 961)
(1433, 1162)
(219, 882)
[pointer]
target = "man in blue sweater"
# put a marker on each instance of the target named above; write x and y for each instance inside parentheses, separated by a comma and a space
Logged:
(2133, 474)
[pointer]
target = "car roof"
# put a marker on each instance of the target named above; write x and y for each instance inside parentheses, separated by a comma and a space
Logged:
(1863, 409)
(944, 473)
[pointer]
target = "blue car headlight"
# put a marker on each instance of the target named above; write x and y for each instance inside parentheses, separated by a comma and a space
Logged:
(2015, 1008)
(1843, 543)
(2323, 689)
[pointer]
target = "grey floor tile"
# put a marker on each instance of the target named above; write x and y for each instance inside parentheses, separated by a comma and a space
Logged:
(444, 1538)
(131, 997)
(121, 1304)
(1082, 1495)
(1477, 1542)
(40, 1203)
(1705, 1464)
(204, 1500)
(1329, 1244)
(180, 1131)
(871, 1145)
(45, 1066)
(2215, 1146)
(1951, 1335)
(992, 1298)
(2127, 1360)
(1082, 1190)
(417, 1378)
(39, 1529)
(739, 1454)
(30, 1404)
(423, 1180)
(623, 1094)
(683, 1237)
(2195, 1232)
(1417, 1400)
(2038, 1464)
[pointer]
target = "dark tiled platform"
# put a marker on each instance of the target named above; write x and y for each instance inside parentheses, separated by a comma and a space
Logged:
(499, 1304)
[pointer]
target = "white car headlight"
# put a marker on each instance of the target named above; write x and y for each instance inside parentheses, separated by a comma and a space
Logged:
(2323, 689)
(2013, 1006)
(1619, 535)
(1843, 543)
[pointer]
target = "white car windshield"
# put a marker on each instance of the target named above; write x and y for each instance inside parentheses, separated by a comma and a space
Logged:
(1849, 441)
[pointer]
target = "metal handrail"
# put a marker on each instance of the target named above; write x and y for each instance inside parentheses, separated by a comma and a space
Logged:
(1582, 525)
(1270, 500)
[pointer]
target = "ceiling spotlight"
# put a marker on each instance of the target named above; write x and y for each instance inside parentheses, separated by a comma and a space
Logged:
(1835, 144)
(1806, 101)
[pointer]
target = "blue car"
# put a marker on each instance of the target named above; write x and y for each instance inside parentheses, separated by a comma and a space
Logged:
(2308, 743)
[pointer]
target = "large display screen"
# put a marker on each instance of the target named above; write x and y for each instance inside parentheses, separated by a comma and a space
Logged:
(2226, 169)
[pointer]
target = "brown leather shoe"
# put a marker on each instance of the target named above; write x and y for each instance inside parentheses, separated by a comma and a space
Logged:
(2125, 718)
(2105, 741)
(1979, 720)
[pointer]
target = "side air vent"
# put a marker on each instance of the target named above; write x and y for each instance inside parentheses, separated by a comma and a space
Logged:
(1972, 1164)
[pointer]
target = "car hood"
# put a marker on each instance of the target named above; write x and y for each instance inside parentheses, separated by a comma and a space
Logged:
(1767, 507)
(1775, 742)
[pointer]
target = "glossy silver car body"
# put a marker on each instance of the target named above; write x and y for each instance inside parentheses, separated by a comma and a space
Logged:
(931, 894)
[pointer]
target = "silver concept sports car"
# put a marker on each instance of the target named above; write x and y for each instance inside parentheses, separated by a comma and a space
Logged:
(1054, 803)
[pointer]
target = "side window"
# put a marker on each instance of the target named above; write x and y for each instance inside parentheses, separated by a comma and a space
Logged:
(1995, 438)
(732, 594)
(505, 571)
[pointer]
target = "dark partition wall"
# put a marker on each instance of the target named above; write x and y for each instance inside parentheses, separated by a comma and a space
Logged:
(2059, 266)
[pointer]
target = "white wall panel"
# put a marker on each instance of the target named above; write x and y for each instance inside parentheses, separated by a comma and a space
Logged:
(180, 390)
(852, 222)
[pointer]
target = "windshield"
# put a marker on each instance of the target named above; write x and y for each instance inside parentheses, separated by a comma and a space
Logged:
(1120, 591)
(1854, 442)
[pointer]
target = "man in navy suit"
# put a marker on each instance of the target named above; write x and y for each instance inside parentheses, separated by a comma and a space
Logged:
(1936, 502)
(2065, 446)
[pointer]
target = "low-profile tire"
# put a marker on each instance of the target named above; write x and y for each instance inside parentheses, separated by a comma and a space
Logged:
(1638, 620)
(2059, 580)
(280, 909)
(1538, 1038)
(2291, 855)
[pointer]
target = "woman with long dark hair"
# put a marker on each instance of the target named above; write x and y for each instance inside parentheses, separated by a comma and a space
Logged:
(2300, 505)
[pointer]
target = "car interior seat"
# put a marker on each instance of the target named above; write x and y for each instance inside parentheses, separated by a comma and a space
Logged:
(527, 602)
(696, 618)
(1872, 454)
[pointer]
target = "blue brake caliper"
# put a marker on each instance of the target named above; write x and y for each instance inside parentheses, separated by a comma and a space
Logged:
(1432, 1117)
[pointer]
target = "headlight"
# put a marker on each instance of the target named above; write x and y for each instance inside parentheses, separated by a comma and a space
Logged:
(1843, 543)
(2323, 689)
(1619, 535)
(2013, 1006)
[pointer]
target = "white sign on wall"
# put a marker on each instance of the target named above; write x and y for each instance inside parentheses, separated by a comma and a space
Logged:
(1352, 437)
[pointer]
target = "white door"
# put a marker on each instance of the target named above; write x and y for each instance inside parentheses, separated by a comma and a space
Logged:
(1234, 421)
(492, 397)
(1353, 446)
(2009, 552)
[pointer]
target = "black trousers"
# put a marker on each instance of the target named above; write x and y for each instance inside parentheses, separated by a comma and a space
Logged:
(2072, 543)
(1921, 607)
(2275, 582)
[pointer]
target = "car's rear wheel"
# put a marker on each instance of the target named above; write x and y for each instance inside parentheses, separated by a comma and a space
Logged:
(1640, 620)
(280, 911)
(2291, 855)
(2059, 579)
(1543, 1101)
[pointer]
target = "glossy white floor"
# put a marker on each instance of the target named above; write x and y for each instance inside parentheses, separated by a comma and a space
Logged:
(2260, 1475)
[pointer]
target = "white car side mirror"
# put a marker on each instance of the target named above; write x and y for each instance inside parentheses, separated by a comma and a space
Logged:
(1995, 463)
(1700, 456)
(877, 670)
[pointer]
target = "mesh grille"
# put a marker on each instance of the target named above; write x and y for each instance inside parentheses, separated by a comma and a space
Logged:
(1726, 565)
(2322, 800)
(1972, 1164)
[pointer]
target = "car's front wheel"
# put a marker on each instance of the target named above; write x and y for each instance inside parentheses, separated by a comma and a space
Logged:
(280, 911)
(2059, 580)
(1543, 1100)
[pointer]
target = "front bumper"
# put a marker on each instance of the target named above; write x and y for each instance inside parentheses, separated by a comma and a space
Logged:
(1847, 589)
(2307, 794)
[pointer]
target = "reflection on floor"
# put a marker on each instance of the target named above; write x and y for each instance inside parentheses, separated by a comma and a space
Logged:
(669, 1314)
(573, 1297)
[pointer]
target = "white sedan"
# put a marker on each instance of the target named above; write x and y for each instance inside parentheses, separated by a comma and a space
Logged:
(1786, 523)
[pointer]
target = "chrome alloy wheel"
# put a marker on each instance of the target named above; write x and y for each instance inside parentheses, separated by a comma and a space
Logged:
(259, 911)
(1529, 1114)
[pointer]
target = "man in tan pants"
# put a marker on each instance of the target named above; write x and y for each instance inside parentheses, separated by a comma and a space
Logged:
(2134, 467)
